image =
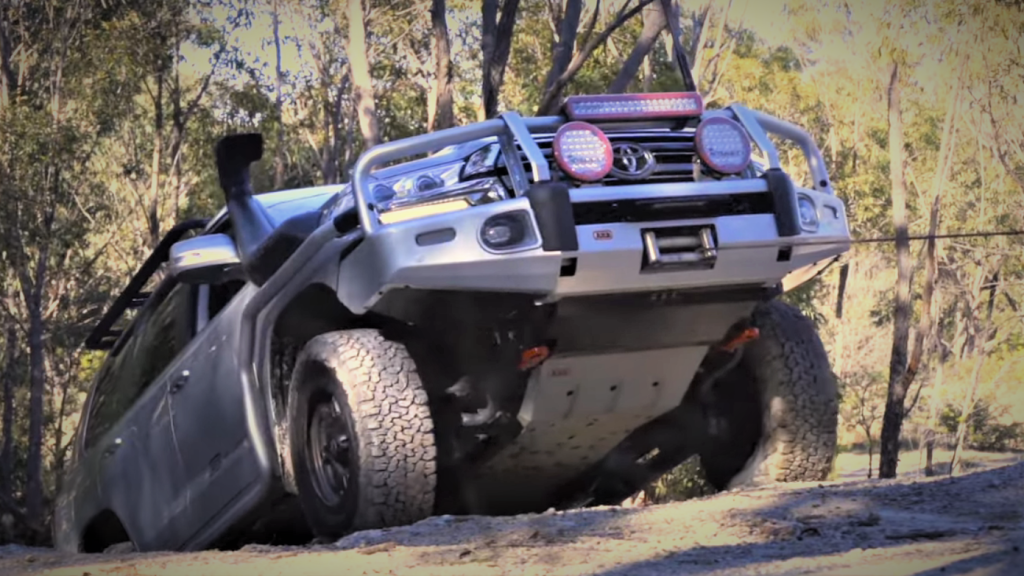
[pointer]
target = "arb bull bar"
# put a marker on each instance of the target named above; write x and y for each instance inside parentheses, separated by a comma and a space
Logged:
(601, 256)
(510, 128)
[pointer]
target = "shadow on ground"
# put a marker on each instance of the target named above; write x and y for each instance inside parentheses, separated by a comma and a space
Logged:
(794, 525)
(941, 558)
(960, 525)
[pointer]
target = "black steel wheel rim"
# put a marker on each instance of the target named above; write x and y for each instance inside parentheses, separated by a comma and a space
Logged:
(329, 451)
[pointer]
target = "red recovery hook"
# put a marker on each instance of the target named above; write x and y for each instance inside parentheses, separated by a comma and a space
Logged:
(747, 335)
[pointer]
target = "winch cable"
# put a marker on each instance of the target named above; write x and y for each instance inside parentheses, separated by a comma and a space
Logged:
(892, 239)
(949, 236)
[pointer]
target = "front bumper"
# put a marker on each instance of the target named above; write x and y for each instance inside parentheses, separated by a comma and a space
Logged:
(576, 253)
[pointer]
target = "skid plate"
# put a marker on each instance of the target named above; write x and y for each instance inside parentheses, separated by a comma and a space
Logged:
(577, 408)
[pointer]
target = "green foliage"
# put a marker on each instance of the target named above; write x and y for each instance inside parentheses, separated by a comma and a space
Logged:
(683, 482)
(985, 433)
(807, 298)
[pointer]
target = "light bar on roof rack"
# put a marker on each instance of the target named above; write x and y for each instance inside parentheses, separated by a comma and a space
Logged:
(634, 106)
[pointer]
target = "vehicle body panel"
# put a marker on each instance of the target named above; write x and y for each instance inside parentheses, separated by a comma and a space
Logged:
(210, 431)
(186, 453)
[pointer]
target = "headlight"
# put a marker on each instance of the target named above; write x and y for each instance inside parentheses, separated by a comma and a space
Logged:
(483, 160)
(435, 185)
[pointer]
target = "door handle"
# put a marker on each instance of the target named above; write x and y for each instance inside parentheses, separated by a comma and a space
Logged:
(179, 382)
(112, 448)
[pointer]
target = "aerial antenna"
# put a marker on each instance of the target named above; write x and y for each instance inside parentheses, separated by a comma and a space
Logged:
(671, 12)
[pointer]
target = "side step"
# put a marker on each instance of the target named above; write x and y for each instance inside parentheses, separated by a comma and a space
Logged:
(690, 247)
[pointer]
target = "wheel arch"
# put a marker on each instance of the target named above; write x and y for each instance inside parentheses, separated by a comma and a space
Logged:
(312, 310)
(102, 531)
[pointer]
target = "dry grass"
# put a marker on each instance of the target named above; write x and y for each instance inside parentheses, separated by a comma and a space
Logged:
(854, 465)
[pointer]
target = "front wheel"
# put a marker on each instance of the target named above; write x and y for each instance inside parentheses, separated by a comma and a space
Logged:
(361, 435)
(779, 408)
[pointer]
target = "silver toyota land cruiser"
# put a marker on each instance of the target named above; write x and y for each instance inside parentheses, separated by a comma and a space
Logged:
(498, 318)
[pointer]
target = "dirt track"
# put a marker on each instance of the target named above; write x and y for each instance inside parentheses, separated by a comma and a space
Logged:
(973, 524)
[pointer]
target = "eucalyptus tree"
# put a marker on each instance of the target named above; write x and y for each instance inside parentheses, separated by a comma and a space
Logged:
(66, 95)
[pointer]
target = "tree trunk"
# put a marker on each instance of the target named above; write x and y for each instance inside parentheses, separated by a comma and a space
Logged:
(10, 377)
(37, 390)
(986, 337)
(488, 41)
(324, 147)
(551, 100)
(350, 137)
(648, 74)
(153, 213)
(892, 422)
(443, 110)
(58, 436)
(177, 142)
(337, 140)
(278, 105)
(565, 44)
(700, 65)
(924, 327)
(178, 120)
(945, 161)
(496, 46)
(654, 22)
(674, 46)
(929, 454)
(964, 423)
(8, 78)
(871, 456)
(700, 32)
(933, 417)
(359, 68)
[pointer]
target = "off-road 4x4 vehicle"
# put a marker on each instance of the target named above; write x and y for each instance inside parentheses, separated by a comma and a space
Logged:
(532, 313)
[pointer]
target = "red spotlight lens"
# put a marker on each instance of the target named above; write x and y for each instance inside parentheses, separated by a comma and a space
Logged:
(583, 151)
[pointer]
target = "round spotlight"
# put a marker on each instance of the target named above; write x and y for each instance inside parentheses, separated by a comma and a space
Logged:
(582, 151)
(723, 145)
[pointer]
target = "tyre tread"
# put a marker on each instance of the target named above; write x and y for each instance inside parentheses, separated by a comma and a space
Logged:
(392, 421)
(799, 396)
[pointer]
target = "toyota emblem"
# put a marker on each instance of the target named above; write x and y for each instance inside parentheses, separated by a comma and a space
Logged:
(632, 161)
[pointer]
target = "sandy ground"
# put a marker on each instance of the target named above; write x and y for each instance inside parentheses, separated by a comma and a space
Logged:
(970, 524)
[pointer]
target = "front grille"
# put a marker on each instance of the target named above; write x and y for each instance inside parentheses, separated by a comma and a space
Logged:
(673, 152)
(675, 156)
(679, 208)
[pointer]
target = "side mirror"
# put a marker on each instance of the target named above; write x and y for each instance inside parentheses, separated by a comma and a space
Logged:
(207, 259)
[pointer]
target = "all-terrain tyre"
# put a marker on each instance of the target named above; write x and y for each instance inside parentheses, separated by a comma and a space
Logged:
(780, 406)
(361, 434)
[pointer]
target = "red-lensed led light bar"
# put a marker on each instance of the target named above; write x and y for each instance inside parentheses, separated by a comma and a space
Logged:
(657, 105)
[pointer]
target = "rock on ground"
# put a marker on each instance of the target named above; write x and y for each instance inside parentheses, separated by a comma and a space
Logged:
(972, 524)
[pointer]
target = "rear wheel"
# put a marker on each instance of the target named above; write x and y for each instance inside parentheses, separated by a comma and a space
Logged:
(774, 417)
(361, 434)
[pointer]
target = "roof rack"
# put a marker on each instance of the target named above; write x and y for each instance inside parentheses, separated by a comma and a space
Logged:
(103, 336)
